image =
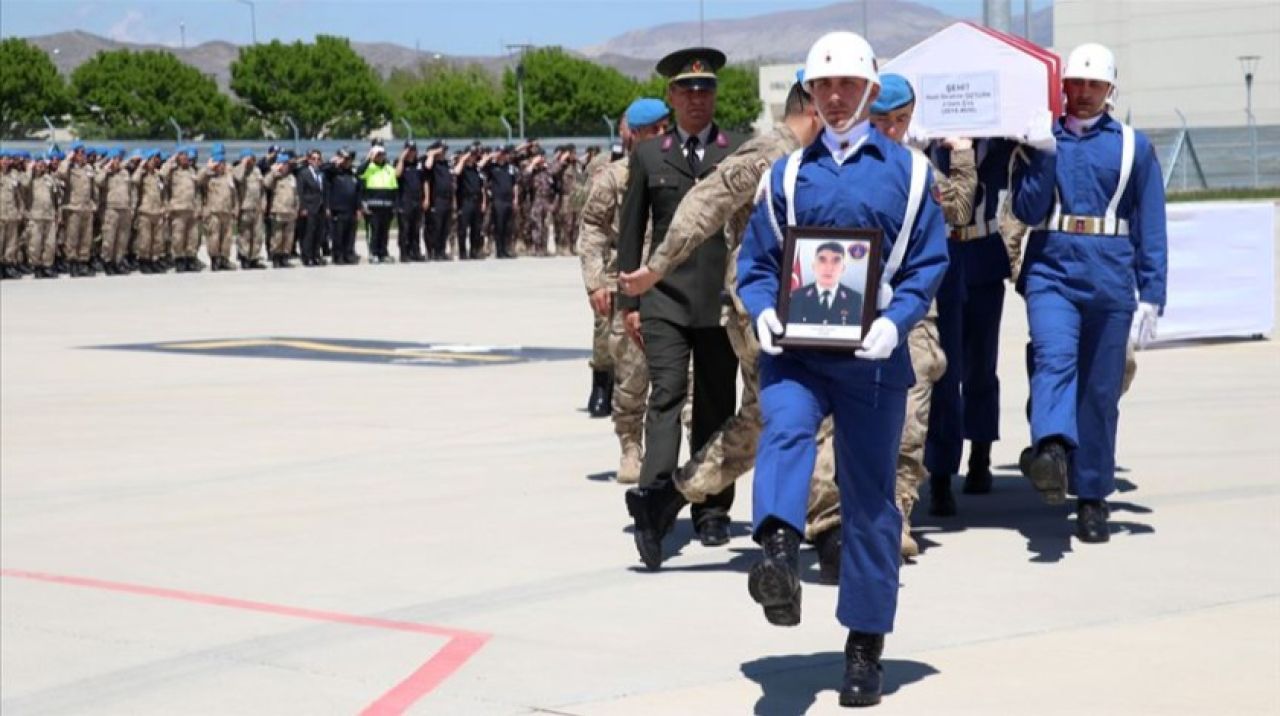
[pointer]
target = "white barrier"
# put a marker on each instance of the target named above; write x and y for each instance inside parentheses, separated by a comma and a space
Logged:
(1222, 273)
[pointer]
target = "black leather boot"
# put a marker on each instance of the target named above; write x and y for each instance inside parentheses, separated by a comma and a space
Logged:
(863, 675)
(941, 502)
(828, 545)
(1091, 521)
(774, 582)
(1048, 471)
(654, 511)
(600, 404)
(978, 480)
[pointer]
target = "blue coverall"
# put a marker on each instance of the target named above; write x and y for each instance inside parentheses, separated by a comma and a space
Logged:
(867, 398)
(966, 400)
(1082, 289)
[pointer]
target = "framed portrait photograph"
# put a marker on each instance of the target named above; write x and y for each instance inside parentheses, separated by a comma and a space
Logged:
(827, 291)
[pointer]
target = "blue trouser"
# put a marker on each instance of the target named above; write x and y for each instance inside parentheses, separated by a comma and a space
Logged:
(980, 336)
(1078, 353)
(797, 390)
(944, 442)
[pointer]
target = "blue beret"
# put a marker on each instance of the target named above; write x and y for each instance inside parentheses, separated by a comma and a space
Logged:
(895, 93)
(135, 154)
(56, 154)
(646, 111)
(800, 76)
(217, 147)
(191, 152)
(76, 145)
(282, 158)
(4, 153)
(218, 156)
(246, 152)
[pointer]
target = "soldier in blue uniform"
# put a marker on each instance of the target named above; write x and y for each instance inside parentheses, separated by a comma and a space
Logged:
(851, 177)
(1094, 274)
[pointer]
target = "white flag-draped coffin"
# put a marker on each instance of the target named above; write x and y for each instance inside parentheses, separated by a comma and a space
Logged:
(974, 82)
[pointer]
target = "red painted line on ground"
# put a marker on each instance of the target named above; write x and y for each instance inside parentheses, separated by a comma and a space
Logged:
(460, 647)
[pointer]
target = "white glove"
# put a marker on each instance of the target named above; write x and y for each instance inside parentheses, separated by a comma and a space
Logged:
(884, 296)
(1039, 133)
(767, 326)
(1143, 331)
(879, 341)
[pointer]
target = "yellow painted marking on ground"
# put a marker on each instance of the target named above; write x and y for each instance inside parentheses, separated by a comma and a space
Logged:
(407, 352)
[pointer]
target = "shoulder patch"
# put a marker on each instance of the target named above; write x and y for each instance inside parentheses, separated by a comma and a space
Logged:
(666, 143)
(936, 194)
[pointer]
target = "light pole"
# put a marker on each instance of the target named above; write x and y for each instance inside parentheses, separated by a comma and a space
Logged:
(520, 80)
(612, 124)
(177, 128)
(253, 19)
(506, 124)
(1249, 63)
(408, 127)
(290, 122)
(702, 34)
(182, 34)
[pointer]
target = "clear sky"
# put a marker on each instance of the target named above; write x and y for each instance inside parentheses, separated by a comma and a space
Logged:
(466, 27)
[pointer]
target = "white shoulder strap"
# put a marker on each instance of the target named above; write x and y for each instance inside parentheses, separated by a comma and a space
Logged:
(789, 175)
(1126, 168)
(919, 173)
(764, 193)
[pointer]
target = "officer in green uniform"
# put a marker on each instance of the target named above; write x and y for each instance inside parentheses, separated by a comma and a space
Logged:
(680, 318)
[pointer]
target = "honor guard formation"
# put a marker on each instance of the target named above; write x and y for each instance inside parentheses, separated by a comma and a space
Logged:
(682, 247)
(97, 210)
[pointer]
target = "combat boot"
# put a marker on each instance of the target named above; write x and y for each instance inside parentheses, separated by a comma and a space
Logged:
(1091, 521)
(863, 674)
(774, 582)
(600, 403)
(941, 502)
(1048, 471)
(978, 480)
(1024, 460)
(828, 544)
(629, 466)
(654, 511)
(909, 547)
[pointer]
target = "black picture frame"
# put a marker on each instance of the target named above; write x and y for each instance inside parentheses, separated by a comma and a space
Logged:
(806, 322)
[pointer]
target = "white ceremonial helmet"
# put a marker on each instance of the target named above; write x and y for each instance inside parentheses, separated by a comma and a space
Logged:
(1091, 61)
(842, 54)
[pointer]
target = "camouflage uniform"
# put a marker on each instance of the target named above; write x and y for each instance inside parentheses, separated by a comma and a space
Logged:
(253, 203)
(44, 194)
(117, 222)
(542, 183)
(220, 208)
(723, 199)
(597, 250)
(78, 210)
(570, 177)
(284, 211)
(11, 211)
(183, 237)
(151, 213)
(524, 189)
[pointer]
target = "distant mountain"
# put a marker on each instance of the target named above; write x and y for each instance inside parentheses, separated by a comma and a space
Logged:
(894, 25)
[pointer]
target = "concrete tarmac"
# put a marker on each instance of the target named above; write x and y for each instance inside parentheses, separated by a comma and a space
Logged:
(201, 533)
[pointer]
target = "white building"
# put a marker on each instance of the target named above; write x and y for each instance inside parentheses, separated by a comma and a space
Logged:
(1181, 55)
(775, 83)
(1173, 55)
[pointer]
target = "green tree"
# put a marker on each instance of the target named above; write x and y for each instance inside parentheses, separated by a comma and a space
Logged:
(325, 87)
(564, 94)
(30, 87)
(454, 102)
(131, 95)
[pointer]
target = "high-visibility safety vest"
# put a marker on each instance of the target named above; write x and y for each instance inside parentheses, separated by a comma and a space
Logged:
(379, 177)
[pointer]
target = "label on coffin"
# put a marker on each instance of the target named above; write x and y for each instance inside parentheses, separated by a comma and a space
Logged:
(969, 100)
